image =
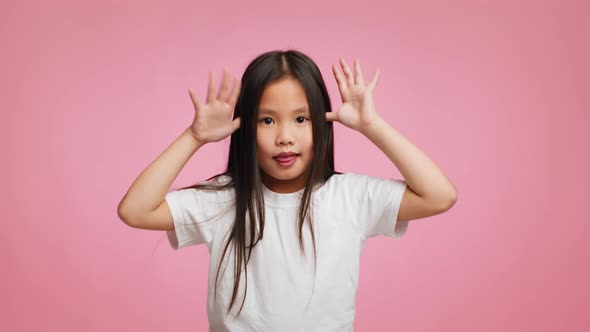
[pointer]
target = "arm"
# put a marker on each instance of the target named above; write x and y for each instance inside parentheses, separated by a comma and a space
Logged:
(422, 175)
(429, 192)
(149, 190)
(144, 205)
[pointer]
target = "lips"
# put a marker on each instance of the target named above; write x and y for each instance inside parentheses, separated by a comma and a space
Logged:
(285, 154)
(286, 159)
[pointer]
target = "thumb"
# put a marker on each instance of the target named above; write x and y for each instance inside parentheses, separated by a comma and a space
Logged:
(331, 116)
(373, 83)
(236, 123)
(194, 99)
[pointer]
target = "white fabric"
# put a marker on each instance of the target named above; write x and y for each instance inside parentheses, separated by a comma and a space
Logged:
(347, 210)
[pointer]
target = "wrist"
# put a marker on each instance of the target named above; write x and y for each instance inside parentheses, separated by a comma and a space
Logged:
(189, 133)
(372, 128)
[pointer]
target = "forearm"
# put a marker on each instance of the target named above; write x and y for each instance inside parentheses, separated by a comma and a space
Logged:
(149, 190)
(420, 172)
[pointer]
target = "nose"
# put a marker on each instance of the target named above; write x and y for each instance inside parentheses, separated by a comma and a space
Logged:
(285, 135)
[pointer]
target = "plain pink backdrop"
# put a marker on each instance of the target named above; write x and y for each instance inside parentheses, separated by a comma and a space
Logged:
(495, 93)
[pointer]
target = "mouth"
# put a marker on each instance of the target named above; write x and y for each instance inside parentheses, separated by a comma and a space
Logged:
(286, 161)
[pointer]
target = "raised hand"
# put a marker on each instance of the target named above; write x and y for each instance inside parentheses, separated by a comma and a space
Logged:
(357, 110)
(213, 120)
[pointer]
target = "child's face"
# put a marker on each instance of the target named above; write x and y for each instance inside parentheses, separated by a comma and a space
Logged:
(287, 129)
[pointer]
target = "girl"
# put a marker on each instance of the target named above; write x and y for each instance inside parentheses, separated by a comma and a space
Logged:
(280, 205)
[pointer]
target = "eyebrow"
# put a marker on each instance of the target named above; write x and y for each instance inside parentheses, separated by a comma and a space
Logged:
(302, 109)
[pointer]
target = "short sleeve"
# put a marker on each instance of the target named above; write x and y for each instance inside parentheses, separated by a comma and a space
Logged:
(378, 202)
(197, 214)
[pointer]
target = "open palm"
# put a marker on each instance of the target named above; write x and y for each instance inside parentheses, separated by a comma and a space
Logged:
(357, 110)
(213, 120)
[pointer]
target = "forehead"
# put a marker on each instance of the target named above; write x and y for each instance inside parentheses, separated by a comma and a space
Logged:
(286, 95)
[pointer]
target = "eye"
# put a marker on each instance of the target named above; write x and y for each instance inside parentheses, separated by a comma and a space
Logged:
(304, 119)
(300, 119)
(265, 122)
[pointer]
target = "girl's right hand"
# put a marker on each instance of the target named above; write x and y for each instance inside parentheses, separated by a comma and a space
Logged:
(213, 120)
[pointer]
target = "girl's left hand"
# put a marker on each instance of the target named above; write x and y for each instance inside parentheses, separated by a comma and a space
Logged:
(357, 111)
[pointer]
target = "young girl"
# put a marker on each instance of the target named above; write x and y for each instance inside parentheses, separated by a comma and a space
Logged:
(288, 226)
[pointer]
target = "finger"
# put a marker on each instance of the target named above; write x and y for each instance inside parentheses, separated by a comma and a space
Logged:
(236, 124)
(194, 99)
(347, 72)
(331, 116)
(373, 83)
(211, 89)
(339, 78)
(358, 73)
(224, 85)
(236, 92)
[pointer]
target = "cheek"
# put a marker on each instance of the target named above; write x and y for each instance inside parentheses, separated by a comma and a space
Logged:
(259, 138)
(262, 144)
(308, 139)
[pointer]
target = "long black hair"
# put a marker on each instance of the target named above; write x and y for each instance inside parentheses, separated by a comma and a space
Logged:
(243, 169)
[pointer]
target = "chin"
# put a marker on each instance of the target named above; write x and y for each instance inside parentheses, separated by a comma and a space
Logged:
(282, 174)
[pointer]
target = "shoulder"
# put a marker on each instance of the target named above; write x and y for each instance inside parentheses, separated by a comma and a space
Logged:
(352, 179)
(222, 179)
(358, 184)
(343, 184)
(211, 191)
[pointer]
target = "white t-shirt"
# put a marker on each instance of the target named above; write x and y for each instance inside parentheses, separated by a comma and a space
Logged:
(347, 210)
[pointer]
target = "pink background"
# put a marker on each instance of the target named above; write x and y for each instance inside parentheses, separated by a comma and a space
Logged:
(496, 93)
